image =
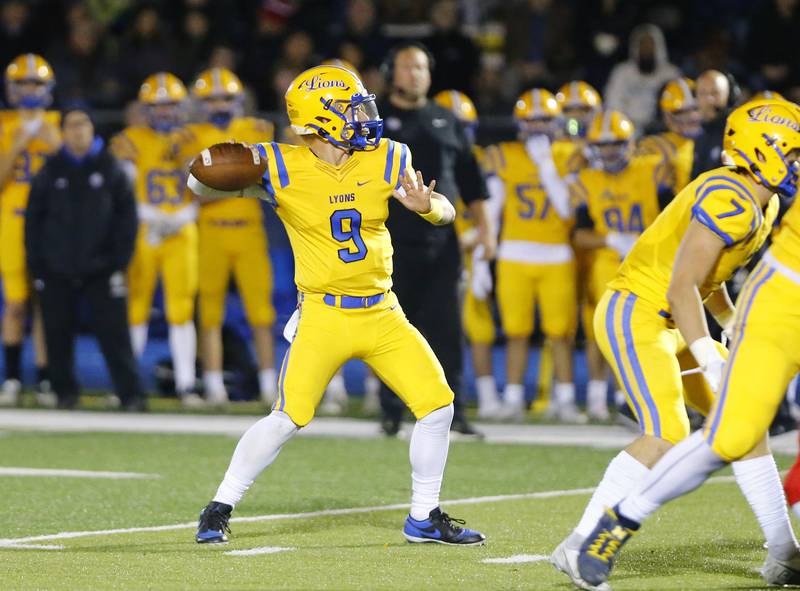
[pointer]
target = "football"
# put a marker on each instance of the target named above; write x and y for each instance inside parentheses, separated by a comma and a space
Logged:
(229, 166)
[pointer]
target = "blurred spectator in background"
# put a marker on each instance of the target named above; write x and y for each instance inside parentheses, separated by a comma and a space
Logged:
(634, 84)
(717, 93)
(771, 43)
(599, 37)
(195, 39)
(80, 228)
(145, 48)
(361, 28)
(538, 37)
(456, 57)
(16, 31)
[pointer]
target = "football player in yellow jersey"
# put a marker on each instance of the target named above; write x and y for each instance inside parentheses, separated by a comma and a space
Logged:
(28, 134)
(580, 102)
(332, 195)
(764, 355)
(618, 199)
(166, 246)
(232, 238)
(535, 262)
(477, 313)
(676, 145)
(651, 327)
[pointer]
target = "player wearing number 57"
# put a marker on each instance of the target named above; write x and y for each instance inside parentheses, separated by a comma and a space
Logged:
(332, 194)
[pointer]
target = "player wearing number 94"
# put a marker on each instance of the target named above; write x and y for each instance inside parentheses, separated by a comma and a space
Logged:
(332, 194)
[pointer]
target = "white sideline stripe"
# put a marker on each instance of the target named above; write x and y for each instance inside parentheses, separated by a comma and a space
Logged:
(32, 547)
(16, 471)
(4, 542)
(260, 550)
(516, 559)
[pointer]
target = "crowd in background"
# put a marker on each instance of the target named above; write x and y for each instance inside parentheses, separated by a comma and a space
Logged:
(489, 49)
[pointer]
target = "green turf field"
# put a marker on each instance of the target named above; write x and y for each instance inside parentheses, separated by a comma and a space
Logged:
(709, 540)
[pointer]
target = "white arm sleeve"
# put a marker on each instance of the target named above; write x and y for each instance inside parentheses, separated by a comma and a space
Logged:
(555, 187)
(494, 205)
(198, 188)
(148, 213)
(186, 214)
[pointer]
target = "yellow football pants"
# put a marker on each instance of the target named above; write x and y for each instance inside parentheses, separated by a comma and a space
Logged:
(478, 320)
(14, 270)
(648, 354)
(240, 251)
(764, 358)
(175, 260)
(381, 336)
(523, 286)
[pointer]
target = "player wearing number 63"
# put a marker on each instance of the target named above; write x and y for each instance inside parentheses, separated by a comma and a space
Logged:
(332, 195)
(651, 328)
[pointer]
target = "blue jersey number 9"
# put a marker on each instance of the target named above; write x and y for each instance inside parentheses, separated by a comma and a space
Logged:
(616, 222)
(341, 233)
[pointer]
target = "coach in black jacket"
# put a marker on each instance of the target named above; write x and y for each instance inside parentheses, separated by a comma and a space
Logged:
(80, 229)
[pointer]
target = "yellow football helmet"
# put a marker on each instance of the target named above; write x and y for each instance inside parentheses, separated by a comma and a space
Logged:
(163, 95)
(217, 83)
(681, 113)
(759, 136)
(579, 102)
(610, 140)
(29, 82)
(162, 88)
(331, 102)
(460, 105)
(537, 112)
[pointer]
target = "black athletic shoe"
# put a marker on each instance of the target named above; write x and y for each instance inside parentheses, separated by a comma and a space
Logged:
(213, 524)
(390, 426)
(461, 426)
(440, 528)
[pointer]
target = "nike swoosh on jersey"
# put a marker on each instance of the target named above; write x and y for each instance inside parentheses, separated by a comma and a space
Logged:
(361, 184)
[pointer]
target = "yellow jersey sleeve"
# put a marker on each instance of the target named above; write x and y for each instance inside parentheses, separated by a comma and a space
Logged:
(726, 207)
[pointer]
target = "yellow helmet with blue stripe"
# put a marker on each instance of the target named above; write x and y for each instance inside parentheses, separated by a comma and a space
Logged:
(610, 140)
(459, 104)
(162, 88)
(759, 136)
(332, 103)
(579, 102)
(217, 83)
(29, 68)
(537, 112)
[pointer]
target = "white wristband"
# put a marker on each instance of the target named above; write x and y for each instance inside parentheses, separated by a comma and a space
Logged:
(705, 351)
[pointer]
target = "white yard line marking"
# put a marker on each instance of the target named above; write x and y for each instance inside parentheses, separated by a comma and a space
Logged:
(32, 546)
(5, 542)
(516, 559)
(16, 471)
(261, 550)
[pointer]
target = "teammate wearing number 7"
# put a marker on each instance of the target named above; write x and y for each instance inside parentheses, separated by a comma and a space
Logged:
(332, 194)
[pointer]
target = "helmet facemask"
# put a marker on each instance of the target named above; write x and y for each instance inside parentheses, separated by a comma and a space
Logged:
(164, 117)
(685, 122)
(29, 94)
(220, 110)
(786, 186)
(578, 117)
(610, 156)
(363, 127)
(546, 126)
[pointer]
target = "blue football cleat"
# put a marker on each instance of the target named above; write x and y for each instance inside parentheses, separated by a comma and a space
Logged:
(213, 524)
(601, 547)
(439, 528)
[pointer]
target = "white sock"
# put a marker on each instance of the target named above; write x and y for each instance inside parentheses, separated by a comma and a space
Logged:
(596, 394)
(761, 484)
(138, 338)
(514, 395)
(268, 383)
(622, 475)
(487, 391)
(564, 394)
(257, 449)
(682, 469)
(183, 346)
(213, 381)
(428, 454)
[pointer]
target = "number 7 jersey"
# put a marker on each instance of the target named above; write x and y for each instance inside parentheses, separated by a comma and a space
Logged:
(336, 216)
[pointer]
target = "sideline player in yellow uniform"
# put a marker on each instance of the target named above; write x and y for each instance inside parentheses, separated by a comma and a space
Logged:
(476, 311)
(535, 262)
(676, 145)
(618, 199)
(763, 359)
(651, 327)
(166, 246)
(232, 238)
(332, 195)
(28, 134)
